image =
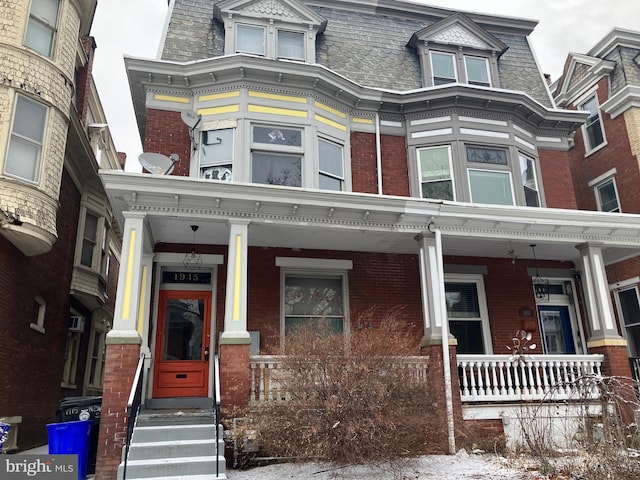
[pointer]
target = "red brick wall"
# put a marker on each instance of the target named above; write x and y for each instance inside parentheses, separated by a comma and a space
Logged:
(84, 77)
(166, 133)
(363, 163)
(120, 368)
(364, 169)
(25, 353)
(556, 179)
(617, 153)
(235, 382)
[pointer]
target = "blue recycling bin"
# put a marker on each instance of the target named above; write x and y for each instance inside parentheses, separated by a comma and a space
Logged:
(4, 433)
(71, 438)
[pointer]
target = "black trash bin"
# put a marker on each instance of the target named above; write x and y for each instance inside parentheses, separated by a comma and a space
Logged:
(71, 409)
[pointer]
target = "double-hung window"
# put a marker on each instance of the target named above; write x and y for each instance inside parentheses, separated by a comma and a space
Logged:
(490, 183)
(629, 311)
(330, 164)
(467, 313)
(276, 155)
(250, 39)
(41, 28)
(290, 45)
(434, 166)
(529, 180)
(89, 239)
(477, 69)
(216, 154)
(26, 140)
(607, 196)
(314, 301)
(594, 133)
(443, 68)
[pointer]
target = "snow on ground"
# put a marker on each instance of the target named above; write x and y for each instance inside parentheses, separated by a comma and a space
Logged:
(441, 467)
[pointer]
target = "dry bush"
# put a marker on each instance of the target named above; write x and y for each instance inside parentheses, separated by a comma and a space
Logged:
(600, 442)
(350, 399)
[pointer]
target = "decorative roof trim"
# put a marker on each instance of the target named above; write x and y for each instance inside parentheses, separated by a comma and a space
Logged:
(228, 8)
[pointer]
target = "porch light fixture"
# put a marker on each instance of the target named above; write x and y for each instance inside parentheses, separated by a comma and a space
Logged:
(540, 285)
(193, 260)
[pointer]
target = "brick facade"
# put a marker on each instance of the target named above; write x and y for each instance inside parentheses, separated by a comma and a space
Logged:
(167, 134)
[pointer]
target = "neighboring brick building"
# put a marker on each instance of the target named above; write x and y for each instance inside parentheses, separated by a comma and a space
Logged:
(341, 155)
(604, 160)
(59, 246)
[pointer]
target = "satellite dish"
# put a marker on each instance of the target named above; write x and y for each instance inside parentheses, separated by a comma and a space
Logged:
(191, 118)
(158, 163)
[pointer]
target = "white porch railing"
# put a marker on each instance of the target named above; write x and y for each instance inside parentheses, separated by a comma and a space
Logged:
(266, 372)
(501, 378)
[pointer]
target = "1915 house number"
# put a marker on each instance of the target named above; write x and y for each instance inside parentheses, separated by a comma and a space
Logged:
(186, 277)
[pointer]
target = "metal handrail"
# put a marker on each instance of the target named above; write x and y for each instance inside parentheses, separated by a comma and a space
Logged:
(216, 406)
(133, 408)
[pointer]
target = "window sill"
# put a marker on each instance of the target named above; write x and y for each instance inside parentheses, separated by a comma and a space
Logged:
(597, 149)
(68, 385)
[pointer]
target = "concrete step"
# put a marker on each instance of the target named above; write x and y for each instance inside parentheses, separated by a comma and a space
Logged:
(173, 449)
(161, 433)
(179, 467)
(178, 417)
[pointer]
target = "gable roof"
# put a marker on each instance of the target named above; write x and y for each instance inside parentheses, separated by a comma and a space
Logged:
(579, 72)
(293, 11)
(458, 29)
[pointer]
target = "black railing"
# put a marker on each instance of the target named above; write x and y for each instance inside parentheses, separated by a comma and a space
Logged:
(133, 408)
(635, 368)
(216, 407)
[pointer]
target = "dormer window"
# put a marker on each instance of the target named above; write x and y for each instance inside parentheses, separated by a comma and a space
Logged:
(279, 29)
(250, 39)
(458, 50)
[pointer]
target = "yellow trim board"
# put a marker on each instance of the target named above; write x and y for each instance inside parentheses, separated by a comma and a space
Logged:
(607, 342)
(330, 109)
(126, 300)
(368, 121)
(331, 123)
(171, 98)
(143, 302)
(273, 96)
(218, 96)
(277, 111)
(237, 281)
(219, 110)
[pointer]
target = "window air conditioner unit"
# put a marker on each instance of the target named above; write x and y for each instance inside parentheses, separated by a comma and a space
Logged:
(76, 323)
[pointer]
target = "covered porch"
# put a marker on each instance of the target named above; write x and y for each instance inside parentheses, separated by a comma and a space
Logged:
(464, 273)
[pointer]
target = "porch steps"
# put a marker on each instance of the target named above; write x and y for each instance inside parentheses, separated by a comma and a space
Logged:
(175, 443)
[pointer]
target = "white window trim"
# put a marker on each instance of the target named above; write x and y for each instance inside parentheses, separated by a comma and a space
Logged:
(486, 65)
(536, 177)
(596, 191)
(585, 136)
(52, 27)
(98, 324)
(265, 40)
(70, 370)
(451, 170)
(456, 78)
(343, 179)
(482, 304)
(508, 172)
(304, 44)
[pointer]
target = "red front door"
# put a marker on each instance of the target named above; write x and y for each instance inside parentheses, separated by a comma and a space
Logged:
(182, 344)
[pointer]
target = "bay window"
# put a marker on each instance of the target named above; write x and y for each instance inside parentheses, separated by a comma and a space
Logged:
(491, 185)
(41, 27)
(216, 154)
(434, 166)
(330, 164)
(276, 156)
(26, 139)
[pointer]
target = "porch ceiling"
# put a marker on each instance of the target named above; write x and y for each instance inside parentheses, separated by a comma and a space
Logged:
(309, 219)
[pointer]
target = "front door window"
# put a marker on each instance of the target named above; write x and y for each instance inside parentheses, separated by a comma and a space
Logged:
(557, 335)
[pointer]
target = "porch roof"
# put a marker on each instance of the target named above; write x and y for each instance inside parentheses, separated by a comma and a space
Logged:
(313, 219)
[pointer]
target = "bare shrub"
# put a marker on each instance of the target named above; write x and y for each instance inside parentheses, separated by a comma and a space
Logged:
(594, 436)
(350, 399)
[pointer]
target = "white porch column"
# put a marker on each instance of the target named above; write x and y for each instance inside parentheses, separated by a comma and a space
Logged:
(432, 287)
(235, 312)
(130, 283)
(602, 324)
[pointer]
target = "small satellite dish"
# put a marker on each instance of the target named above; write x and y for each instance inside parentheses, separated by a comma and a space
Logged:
(158, 163)
(191, 118)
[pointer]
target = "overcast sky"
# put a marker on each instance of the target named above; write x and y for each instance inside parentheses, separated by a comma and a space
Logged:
(133, 28)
